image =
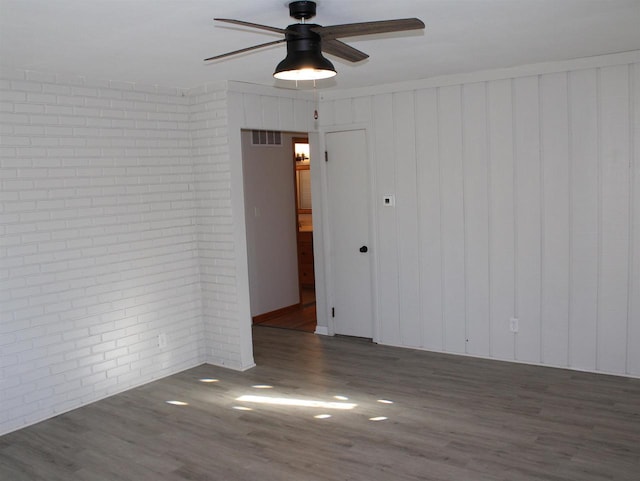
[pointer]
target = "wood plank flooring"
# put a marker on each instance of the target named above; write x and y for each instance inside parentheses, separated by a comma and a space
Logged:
(302, 319)
(444, 418)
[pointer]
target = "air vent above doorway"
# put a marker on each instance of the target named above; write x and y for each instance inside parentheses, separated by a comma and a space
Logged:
(266, 137)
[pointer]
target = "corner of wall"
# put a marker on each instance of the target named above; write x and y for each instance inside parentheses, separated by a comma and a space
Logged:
(99, 243)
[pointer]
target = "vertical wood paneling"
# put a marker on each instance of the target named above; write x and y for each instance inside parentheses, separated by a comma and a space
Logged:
(407, 213)
(429, 218)
(614, 233)
(527, 195)
(270, 112)
(452, 202)
(362, 110)
(476, 215)
(583, 127)
(501, 217)
(302, 119)
(555, 219)
(252, 110)
(388, 302)
(326, 113)
(285, 112)
(343, 111)
(633, 341)
(515, 198)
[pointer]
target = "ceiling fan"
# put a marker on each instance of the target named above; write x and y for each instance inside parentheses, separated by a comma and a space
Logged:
(307, 41)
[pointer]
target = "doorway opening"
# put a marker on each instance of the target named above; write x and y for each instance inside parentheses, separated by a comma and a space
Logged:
(279, 226)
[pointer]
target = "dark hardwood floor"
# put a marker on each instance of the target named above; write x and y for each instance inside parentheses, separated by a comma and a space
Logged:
(302, 319)
(413, 416)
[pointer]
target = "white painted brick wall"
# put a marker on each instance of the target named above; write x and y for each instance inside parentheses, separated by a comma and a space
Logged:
(100, 234)
(217, 261)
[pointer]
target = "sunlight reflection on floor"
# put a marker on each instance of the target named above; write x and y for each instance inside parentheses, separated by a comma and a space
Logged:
(339, 403)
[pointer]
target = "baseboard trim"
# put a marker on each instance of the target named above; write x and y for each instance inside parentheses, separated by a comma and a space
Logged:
(322, 330)
(267, 316)
(15, 425)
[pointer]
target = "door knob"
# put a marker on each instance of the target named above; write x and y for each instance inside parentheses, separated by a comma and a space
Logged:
(364, 249)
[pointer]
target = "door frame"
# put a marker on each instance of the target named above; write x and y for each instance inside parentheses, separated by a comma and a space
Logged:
(296, 189)
(326, 230)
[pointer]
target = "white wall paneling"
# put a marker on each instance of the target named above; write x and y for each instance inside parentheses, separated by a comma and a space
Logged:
(527, 169)
(286, 114)
(361, 110)
(501, 217)
(387, 241)
(476, 215)
(271, 112)
(252, 110)
(404, 135)
(584, 197)
(343, 112)
(613, 286)
(429, 218)
(633, 341)
(452, 217)
(554, 150)
(517, 196)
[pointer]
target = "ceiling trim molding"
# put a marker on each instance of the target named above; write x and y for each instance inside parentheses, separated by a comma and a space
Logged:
(488, 75)
(270, 90)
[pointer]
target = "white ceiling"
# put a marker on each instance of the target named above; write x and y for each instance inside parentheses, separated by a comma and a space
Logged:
(164, 41)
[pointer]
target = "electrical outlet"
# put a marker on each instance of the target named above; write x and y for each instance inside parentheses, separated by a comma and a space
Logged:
(389, 200)
(162, 340)
(513, 325)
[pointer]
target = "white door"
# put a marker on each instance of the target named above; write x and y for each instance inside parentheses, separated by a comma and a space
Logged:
(347, 179)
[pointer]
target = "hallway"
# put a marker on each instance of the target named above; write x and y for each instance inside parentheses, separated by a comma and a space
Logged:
(302, 319)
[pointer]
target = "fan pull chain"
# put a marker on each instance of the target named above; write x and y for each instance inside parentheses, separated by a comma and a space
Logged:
(315, 101)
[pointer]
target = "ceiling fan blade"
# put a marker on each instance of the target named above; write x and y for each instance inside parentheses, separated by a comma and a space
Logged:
(253, 25)
(242, 50)
(368, 28)
(342, 50)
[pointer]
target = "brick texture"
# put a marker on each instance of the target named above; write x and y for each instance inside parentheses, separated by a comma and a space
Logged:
(116, 230)
(212, 171)
(102, 213)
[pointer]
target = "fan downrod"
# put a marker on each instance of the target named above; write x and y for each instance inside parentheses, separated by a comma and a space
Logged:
(302, 10)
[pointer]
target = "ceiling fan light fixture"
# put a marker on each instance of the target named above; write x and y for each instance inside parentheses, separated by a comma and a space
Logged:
(304, 65)
(305, 42)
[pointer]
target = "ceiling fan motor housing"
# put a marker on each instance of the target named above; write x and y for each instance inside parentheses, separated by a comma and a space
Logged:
(302, 10)
(304, 50)
(301, 38)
